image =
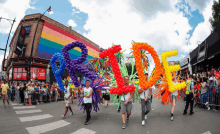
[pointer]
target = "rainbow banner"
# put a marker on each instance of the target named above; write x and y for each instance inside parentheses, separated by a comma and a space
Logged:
(54, 38)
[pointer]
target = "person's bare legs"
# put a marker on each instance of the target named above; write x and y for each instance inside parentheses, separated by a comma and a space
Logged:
(8, 101)
(4, 102)
(123, 116)
(40, 99)
(173, 106)
(70, 109)
(128, 114)
(66, 111)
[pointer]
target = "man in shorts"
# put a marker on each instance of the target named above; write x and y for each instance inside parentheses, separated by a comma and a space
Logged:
(5, 89)
(126, 103)
(68, 94)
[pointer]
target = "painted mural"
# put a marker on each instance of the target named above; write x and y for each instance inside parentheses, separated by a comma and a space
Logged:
(54, 38)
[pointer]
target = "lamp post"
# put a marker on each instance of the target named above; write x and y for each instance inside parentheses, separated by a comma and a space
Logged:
(48, 10)
(13, 21)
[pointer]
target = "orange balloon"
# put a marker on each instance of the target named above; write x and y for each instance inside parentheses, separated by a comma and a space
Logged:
(137, 55)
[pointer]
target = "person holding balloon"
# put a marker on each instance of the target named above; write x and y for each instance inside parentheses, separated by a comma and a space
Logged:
(173, 98)
(126, 103)
(145, 96)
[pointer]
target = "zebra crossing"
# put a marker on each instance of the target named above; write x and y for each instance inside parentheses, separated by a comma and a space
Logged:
(32, 113)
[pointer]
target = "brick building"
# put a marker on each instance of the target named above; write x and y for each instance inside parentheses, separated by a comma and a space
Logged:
(50, 37)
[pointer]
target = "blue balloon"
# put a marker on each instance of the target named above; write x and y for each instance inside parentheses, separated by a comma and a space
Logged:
(58, 72)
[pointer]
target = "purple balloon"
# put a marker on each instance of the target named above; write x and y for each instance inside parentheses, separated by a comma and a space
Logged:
(75, 65)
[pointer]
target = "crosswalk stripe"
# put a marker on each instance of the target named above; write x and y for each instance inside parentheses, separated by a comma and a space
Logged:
(34, 118)
(47, 127)
(208, 132)
(14, 104)
(84, 131)
(28, 111)
(25, 107)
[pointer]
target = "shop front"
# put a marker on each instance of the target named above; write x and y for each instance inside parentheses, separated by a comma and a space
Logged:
(185, 66)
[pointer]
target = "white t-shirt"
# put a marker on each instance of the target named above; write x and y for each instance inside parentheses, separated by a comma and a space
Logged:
(144, 94)
(67, 91)
(86, 93)
(175, 92)
(126, 97)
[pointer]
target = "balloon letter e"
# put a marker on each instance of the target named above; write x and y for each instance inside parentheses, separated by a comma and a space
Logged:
(121, 88)
(168, 69)
(58, 72)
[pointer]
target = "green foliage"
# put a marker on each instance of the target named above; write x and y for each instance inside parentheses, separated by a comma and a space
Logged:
(215, 19)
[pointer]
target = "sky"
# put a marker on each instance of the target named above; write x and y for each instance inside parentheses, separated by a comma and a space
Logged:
(164, 24)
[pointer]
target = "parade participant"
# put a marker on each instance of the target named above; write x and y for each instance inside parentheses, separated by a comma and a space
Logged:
(173, 98)
(26, 94)
(30, 90)
(189, 96)
(5, 89)
(126, 103)
(145, 96)
(41, 89)
(68, 94)
(53, 91)
(87, 100)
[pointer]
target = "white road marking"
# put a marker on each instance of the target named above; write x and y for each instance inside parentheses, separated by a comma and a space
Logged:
(28, 111)
(24, 107)
(84, 131)
(34, 118)
(15, 104)
(208, 132)
(47, 127)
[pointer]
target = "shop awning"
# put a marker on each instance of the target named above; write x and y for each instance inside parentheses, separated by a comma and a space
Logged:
(202, 52)
(184, 67)
(213, 43)
(193, 56)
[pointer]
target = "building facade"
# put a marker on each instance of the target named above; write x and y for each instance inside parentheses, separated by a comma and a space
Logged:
(50, 37)
(185, 66)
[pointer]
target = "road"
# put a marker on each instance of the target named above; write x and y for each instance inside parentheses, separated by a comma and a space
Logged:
(46, 118)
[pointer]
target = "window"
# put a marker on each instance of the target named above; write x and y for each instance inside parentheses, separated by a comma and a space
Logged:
(27, 29)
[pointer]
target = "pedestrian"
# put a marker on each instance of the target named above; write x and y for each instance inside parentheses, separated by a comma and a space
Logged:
(173, 98)
(26, 93)
(4, 92)
(68, 94)
(145, 95)
(87, 100)
(126, 103)
(189, 95)
(22, 89)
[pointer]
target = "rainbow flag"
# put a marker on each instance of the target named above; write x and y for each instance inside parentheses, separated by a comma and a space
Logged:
(54, 38)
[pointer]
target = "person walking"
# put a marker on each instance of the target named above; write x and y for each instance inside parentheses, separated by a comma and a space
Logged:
(189, 96)
(145, 96)
(126, 103)
(68, 94)
(4, 93)
(87, 100)
(173, 98)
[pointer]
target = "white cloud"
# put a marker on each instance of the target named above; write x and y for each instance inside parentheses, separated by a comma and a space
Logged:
(182, 56)
(51, 12)
(72, 23)
(202, 31)
(11, 9)
(198, 4)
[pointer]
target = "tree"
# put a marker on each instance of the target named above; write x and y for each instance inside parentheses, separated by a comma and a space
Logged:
(215, 19)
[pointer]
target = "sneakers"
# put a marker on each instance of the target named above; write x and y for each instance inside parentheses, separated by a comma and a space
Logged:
(63, 116)
(71, 113)
(145, 117)
(124, 125)
(143, 123)
(171, 118)
(206, 103)
(191, 113)
(87, 122)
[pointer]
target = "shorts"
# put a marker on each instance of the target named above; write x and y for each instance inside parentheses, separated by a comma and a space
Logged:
(4, 96)
(174, 97)
(126, 108)
(67, 103)
(107, 97)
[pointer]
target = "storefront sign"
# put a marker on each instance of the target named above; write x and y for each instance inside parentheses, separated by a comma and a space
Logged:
(202, 52)
(10, 74)
(41, 74)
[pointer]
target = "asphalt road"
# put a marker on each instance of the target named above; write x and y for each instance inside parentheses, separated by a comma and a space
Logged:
(46, 118)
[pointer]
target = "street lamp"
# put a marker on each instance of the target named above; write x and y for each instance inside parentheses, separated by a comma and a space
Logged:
(3, 65)
(48, 10)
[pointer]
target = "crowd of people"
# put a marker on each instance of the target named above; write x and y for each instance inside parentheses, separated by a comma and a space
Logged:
(32, 92)
(206, 87)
